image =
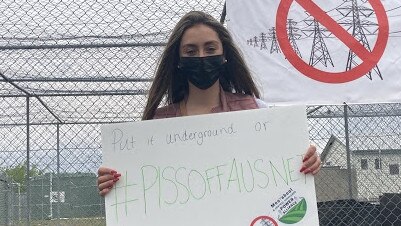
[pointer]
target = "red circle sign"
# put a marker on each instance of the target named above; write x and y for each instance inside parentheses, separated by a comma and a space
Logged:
(267, 218)
(369, 59)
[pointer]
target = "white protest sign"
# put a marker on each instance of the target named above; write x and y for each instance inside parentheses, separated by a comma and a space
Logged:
(237, 168)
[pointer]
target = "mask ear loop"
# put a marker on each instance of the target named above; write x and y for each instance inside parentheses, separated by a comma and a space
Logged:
(224, 55)
(225, 59)
(223, 80)
(181, 84)
(179, 63)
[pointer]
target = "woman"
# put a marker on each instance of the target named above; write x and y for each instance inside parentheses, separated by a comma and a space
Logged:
(201, 71)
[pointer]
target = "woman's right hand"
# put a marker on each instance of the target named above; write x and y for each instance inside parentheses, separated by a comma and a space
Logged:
(106, 178)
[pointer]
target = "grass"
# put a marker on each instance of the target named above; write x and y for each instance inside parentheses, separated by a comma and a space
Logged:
(67, 222)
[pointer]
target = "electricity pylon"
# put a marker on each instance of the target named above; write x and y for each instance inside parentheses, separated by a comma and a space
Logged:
(319, 53)
(359, 33)
(255, 41)
(263, 40)
(274, 46)
(293, 35)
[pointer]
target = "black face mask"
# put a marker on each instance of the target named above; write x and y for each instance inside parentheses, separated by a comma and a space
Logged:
(202, 72)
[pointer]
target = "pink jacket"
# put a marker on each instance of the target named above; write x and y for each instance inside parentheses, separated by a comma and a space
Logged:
(228, 102)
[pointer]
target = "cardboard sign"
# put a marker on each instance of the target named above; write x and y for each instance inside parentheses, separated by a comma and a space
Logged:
(237, 168)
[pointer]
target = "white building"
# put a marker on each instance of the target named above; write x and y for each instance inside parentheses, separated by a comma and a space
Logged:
(371, 173)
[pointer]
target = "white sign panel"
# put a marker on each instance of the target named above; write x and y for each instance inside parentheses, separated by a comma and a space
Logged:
(57, 196)
(238, 168)
(321, 52)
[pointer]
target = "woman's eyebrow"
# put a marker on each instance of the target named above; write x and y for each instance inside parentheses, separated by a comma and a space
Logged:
(189, 45)
(206, 43)
(212, 42)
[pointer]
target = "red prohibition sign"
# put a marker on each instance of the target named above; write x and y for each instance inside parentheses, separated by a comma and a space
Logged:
(264, 218)
(369, 59)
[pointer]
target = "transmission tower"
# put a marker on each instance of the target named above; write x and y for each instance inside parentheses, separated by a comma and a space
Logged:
(274, 46)
(255, 41)
(319, 53)
(250, 42)
(263, 222)
(263, 40)
(359, 33)
(293, 35)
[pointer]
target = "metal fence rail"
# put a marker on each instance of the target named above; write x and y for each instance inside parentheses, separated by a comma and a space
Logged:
(67, 67)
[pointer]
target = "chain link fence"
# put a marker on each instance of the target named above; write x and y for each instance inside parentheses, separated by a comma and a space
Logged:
(360, 182)
(67, 67)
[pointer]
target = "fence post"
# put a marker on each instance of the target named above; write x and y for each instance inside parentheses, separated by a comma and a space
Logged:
(7, 201)
(19, 202)
(28, 189)
(58, 172)
(348, 150)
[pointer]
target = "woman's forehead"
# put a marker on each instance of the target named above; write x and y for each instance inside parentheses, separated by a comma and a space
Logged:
(199, 34)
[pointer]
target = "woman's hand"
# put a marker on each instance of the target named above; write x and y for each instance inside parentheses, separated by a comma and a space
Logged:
(106, 178)
(311, 161)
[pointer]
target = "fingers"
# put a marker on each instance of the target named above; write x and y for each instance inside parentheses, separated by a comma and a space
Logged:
(106, 183)
(310, 152)
(106, 186)
(104, 170)
(311, 161)
(106, 179)
(104, 191)
(314, 172)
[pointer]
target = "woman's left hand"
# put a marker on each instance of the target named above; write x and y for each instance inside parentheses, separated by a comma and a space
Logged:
(311, 161)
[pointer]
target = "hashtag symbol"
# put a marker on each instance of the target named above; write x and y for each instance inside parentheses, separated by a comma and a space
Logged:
(124, 201)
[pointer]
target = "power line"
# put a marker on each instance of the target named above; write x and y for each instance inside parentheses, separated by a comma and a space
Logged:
(326, 12)
(393, 9)
(399, 15)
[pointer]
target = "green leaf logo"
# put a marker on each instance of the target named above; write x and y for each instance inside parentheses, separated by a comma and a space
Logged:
(295, 214)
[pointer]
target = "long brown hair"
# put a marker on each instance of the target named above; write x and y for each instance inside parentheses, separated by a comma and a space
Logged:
(236, 78)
